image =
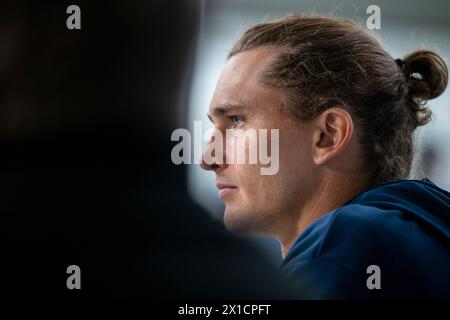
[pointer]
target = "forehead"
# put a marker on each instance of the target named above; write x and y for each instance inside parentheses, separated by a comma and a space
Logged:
(240, 81)
(248, 65)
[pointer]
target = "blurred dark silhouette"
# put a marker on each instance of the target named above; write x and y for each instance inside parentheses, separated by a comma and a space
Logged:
(86, 175)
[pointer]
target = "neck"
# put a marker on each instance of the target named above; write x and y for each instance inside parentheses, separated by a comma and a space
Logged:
(317, 206)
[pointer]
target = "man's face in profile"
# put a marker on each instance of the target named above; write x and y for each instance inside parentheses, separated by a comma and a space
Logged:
(256, 203)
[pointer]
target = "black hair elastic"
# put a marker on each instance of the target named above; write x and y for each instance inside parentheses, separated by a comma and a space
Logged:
(400, 63)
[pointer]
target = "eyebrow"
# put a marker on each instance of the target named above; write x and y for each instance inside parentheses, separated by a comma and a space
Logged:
(225, 109)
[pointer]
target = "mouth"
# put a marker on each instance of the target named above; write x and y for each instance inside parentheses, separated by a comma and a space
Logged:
(225, 190)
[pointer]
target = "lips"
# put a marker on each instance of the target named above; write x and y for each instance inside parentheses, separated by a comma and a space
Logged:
(221, 185)
(225, 189)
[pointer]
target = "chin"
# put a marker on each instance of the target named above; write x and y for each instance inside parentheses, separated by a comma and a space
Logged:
(240, 222)
(235, 221)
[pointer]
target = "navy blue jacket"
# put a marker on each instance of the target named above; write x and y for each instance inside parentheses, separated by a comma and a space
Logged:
(403, 228)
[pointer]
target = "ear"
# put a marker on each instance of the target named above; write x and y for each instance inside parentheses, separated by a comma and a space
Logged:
(333, 131)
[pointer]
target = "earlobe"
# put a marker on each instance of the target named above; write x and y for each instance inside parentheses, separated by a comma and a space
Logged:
(333, 133)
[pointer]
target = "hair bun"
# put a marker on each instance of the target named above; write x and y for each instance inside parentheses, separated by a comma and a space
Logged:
(427, 74)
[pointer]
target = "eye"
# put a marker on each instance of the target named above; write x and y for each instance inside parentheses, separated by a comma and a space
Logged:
(236, 120)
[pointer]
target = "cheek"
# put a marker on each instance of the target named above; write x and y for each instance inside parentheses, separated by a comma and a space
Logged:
(248, 175)
(258, 190)
(295, 152)
(296, 166)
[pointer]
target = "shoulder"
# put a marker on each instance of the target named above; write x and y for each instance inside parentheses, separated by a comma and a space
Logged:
(401, 228)
(331, 258)
(352, 227)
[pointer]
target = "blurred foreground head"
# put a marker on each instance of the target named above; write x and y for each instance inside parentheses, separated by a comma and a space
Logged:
(124, 73)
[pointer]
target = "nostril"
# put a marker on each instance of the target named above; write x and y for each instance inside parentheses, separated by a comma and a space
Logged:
(209, 160)
(208, 166)
(204, 165)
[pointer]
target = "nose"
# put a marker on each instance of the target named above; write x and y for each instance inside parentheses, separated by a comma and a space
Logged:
(208, 166)
(211, 161)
